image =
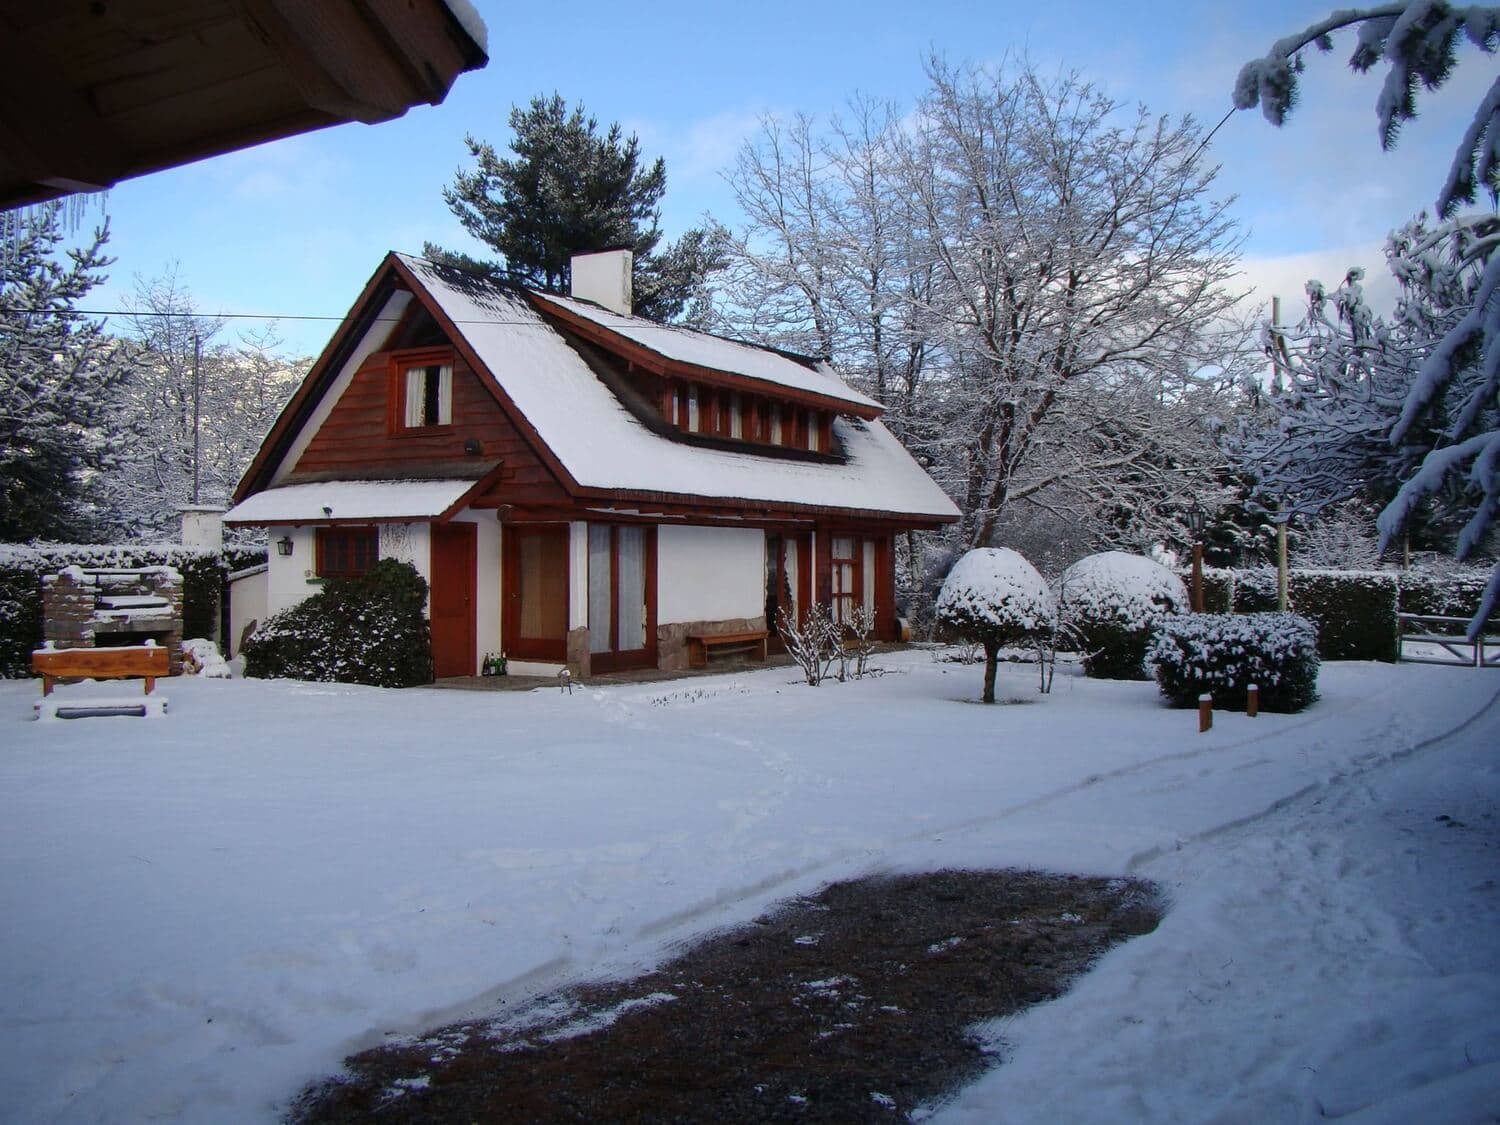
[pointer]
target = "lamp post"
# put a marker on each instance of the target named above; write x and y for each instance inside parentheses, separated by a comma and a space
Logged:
(1196, 521)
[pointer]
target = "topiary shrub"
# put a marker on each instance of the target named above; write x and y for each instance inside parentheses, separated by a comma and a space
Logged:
(994, 597)
(1107, 604)
(365, 630)
(1223, 654)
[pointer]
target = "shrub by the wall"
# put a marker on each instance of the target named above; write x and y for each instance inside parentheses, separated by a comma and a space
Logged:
(366, 630)
(22, 569)
(1107, 605)
(1223, 654)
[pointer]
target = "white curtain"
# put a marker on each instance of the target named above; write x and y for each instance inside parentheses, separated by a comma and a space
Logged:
(632, 542)
(600, 601)
(445, 394)
(416, 395)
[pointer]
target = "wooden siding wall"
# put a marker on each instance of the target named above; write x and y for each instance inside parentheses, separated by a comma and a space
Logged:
(357, 437)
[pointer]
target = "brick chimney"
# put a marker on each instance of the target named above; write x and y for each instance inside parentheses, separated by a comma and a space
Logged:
(604, 278)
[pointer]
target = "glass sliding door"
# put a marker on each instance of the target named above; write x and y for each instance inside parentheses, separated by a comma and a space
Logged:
(622, 593)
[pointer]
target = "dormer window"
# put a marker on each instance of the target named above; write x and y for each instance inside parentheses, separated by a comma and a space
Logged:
(423, 389)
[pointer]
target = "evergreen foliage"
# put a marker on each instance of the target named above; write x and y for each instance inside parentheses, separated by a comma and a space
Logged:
(1201, 653)
(365, 630)
(1459, 375)
(57, 374)
(570, 190)
(1108, 605)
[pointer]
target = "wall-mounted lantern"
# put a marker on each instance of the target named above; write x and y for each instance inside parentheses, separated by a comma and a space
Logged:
(284, 546)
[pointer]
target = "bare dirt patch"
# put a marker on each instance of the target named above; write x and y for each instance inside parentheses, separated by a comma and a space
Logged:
(856, 1004)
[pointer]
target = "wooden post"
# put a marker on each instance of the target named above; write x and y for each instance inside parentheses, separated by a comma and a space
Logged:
(1198, 577)
(1252, 700)
(1205, 713)
(1281, 584)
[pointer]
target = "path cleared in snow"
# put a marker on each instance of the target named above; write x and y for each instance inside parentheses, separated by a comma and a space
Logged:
(205, 911)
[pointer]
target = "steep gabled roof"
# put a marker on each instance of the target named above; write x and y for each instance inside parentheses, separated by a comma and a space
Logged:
(703, 354)
(597, 448)
(603, 447)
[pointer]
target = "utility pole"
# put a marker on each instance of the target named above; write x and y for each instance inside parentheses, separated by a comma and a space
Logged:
(197, 394)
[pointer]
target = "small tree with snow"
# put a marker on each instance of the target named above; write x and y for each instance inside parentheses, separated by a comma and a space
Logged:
(1107, 605)
(994, 597)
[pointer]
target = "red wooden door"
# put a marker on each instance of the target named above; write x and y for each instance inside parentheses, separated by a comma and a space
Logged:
(452, 599)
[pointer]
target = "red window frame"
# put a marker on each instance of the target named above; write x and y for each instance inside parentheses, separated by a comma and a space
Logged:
(411, 359)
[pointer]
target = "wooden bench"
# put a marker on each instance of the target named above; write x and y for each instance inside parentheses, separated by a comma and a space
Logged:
(128, 662)
(699, 645)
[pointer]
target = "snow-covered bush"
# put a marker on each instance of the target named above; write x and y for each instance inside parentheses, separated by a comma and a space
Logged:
(994, 597)
(365, 630)
(1223, 654)
(1107, 605)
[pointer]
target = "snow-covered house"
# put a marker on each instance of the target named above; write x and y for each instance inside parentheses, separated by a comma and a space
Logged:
(579, 486)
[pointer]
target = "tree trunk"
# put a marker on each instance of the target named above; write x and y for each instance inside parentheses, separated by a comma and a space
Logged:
(991, 663)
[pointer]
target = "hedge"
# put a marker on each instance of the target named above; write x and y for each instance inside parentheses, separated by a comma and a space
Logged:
(1354, 610)
(23, 567)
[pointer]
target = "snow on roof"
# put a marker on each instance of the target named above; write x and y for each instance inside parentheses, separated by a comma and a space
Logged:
(350, 500)
(717, 353)
(471, 21)
(602, 445)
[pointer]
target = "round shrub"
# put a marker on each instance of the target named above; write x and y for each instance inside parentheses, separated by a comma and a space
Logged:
(994, 597)
(1223, 654)
(1108, 604)
(365, 630)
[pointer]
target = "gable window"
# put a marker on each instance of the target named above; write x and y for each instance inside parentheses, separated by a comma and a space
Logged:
(428, 394)
(346, 552)
(736, 418)
(813, 430)
(693, 420)
(775, 433)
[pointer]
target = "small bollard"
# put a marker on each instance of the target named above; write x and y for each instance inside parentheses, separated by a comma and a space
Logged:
(1205, 712)
(565, 681)
(1252, 700)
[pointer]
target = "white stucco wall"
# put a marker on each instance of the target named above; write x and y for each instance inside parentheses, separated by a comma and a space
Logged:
(291, 580)
(247, 603)
(578, 575)
(710, 573)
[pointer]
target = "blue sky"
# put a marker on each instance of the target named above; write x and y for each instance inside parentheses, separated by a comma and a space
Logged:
(296, 227)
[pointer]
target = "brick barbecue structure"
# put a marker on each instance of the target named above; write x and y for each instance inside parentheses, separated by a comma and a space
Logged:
(106, 608)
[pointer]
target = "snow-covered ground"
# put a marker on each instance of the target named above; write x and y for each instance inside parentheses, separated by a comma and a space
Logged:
(199, 913)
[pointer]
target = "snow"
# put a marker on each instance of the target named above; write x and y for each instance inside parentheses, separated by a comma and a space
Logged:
(471, 21)
(1129, 590)
(205, 911)
(350, 500)
(997, 586)
(600, 444)
(718, 354)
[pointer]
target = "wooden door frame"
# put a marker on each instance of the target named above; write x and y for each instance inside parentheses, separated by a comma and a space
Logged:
(517, 647)
(466, 584)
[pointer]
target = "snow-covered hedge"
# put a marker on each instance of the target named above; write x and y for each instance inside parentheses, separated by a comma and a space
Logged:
(22, 569)
(365, 630)
(1223, 654)
(1107, 605)
(994, 597)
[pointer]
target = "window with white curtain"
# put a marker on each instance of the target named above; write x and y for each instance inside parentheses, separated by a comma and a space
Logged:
(429, 395)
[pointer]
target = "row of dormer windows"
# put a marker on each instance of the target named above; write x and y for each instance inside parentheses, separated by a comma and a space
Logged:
(718, 412)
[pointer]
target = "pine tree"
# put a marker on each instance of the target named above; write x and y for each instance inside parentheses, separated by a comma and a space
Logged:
(1418, 43)
(571, 190)
(58, 373)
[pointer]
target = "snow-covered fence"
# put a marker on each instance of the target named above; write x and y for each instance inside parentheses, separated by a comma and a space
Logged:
(1437, 639)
